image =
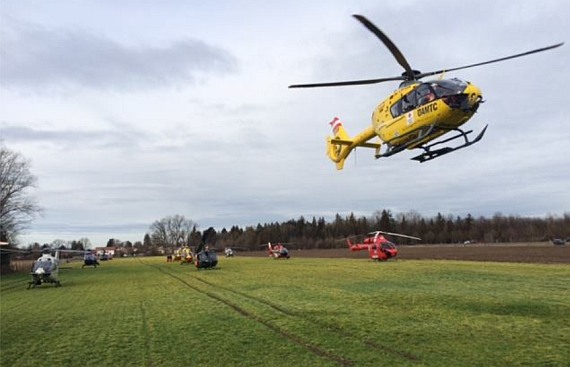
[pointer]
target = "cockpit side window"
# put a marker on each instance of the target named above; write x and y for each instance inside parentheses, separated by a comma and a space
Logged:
(405, 104)
(424, 94)
(409, 101)
(396, 109)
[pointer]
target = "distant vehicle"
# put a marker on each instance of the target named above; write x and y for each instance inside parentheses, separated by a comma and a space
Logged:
(559, 241)
(378, 247)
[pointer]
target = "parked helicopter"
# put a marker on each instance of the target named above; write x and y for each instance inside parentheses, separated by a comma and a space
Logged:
(45, 270)
(184, 255)
(229, 252)
(415, 114)
(205, 257)
(89, 259)
(378, 247)
(277, 251)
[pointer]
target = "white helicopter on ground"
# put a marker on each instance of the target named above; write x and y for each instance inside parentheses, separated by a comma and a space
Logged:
(46, 268)
(229, 252)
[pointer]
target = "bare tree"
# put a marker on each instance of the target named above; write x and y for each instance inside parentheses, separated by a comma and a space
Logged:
(58, 244)
(17, 206)
(171, 231)
(85, 243)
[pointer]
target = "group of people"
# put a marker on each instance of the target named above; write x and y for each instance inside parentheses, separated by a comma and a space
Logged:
(204, 258)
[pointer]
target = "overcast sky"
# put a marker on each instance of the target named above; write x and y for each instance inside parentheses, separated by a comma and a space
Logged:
(130, 111)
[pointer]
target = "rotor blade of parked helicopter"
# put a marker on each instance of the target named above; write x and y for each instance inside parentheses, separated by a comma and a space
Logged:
(15, 250)
(396, 234)
(421, 75)
(349, 82)
(389, 44)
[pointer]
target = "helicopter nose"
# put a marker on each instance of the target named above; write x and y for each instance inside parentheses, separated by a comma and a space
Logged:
(474, 97)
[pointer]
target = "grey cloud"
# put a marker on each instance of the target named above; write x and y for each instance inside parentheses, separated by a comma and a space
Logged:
(58, 58)
(68, 138)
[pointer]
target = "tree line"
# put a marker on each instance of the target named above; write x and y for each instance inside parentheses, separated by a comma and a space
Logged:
(439, 229)
(317, 233)
(172, 232)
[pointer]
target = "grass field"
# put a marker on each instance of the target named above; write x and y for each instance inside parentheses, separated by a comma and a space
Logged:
(300, 312)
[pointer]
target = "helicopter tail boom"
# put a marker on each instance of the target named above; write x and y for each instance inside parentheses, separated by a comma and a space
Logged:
(356, 246)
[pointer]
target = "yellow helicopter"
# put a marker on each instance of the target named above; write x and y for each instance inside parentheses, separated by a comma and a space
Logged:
(416, 113)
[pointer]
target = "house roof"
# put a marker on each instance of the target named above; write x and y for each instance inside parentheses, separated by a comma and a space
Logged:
(106, 248)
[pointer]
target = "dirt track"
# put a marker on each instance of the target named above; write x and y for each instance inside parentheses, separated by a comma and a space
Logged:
(544, 253)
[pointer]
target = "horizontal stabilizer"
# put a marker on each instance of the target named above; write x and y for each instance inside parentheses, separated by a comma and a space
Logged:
(351, 142)
(370, 145)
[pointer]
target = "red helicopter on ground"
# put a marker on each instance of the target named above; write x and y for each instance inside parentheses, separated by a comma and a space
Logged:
(378, 247)
(277, 251)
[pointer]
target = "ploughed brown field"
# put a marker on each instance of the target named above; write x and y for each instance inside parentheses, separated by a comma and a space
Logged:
(545, 253)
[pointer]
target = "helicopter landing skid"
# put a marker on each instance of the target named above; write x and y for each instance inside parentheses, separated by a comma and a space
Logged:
(397, 149)
(428, 154)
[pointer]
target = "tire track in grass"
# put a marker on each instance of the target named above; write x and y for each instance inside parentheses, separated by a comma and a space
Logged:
(330, 326)
(12, 286)
(146, 336)
(313, 348)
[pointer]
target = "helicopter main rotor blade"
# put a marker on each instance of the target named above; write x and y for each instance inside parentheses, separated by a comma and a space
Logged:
(15, 251)
(408, 75)
(349, 82)
(395, 234)
(389, 44)
(421, 75)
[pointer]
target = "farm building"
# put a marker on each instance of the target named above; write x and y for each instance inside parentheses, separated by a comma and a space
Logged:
(105, 251)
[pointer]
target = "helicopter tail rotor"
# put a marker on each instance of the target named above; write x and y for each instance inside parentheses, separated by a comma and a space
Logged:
(341, 144)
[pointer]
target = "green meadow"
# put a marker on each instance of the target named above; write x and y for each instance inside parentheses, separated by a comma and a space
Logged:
(300, 312)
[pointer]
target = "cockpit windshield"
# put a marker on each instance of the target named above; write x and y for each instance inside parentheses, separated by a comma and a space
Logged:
(388, 245)
(45, 264)
(448, 87)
